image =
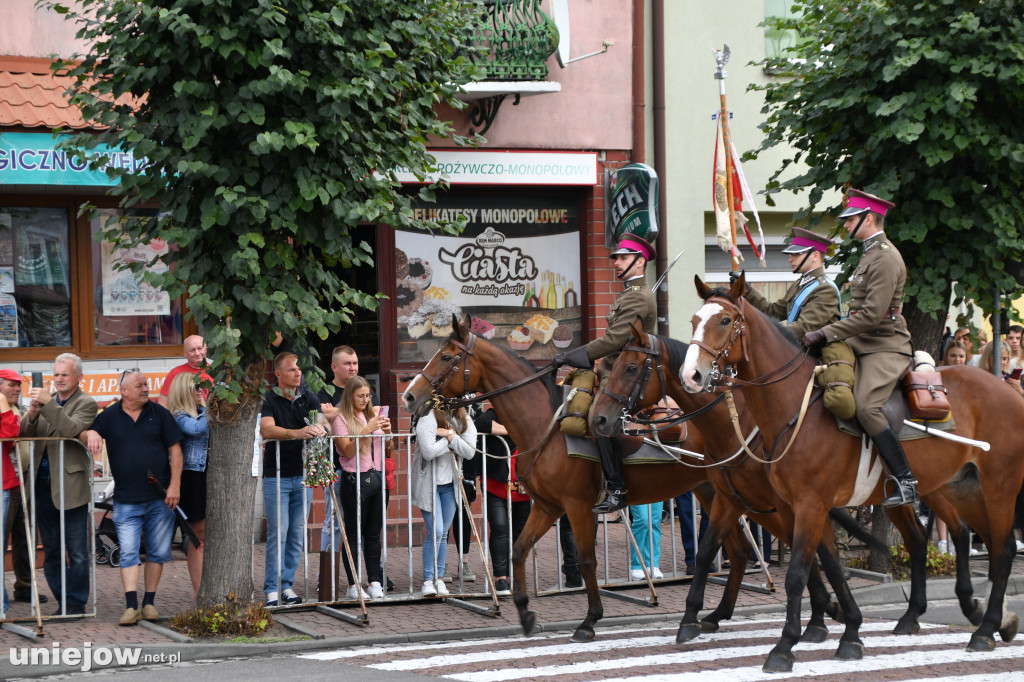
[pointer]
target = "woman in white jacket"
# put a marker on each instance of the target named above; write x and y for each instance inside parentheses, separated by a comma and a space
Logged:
(437, 435)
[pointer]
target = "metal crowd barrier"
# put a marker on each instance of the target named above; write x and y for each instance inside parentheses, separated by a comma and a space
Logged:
(31, 530)
(614, 574)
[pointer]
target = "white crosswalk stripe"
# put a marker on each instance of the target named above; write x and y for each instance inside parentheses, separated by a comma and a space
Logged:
(650, 654)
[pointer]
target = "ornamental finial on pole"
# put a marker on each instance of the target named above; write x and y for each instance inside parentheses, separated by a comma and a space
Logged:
(721, 58)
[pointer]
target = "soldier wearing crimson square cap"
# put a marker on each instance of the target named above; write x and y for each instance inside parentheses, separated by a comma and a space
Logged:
(810, 302)
(877, 333)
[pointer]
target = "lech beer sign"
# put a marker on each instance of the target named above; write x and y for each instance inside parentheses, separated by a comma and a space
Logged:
(634, 204)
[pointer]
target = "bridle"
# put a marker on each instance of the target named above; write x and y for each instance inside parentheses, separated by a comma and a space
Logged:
(719, 377)
(438, 380)
(652, 361)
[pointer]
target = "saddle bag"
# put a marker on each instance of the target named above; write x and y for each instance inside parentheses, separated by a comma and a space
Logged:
(837, 379)
(926, 396)
(581, 396)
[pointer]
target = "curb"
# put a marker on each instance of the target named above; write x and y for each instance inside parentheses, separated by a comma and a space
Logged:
(874, 595)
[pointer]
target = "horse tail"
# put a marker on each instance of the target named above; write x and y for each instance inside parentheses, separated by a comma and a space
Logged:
(844, 519)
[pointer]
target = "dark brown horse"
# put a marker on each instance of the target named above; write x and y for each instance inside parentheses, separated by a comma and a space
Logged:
(819, 470)
(742, 484)
(557, 483)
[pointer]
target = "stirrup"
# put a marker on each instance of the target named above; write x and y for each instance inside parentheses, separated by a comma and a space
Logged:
(904, 492)
(613, 501)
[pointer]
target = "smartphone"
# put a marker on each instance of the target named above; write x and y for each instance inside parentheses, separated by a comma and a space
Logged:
(383, 412)
(1015, 374)
(37, 379)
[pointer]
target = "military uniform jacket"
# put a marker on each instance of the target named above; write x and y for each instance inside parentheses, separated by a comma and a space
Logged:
(875, 289)
(821, 306)
(636, 299)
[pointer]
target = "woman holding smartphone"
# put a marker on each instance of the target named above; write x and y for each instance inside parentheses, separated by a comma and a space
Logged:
(358, 455)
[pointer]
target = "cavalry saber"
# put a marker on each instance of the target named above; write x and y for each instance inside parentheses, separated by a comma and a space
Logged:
(949, 436)
(665, 274)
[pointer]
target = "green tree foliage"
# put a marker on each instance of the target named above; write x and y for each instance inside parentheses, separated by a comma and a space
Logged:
(920, 102)
(270, 128)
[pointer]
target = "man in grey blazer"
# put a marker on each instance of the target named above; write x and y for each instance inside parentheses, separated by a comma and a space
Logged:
(63, 414)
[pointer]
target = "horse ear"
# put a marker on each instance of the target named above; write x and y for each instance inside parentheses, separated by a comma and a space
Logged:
(703, 290)
(637, 328)
(461, 327)
(739, 287)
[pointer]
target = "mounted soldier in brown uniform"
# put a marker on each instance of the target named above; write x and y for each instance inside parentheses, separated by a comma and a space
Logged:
(877, 333)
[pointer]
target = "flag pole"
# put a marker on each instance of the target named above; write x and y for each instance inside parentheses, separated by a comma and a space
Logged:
(721, 59)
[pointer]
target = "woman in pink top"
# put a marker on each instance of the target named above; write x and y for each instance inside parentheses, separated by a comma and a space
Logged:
(358, 417)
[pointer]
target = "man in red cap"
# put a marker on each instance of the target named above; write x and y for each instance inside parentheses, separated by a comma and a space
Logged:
(812, 301)
(877, 333)
(637, 300)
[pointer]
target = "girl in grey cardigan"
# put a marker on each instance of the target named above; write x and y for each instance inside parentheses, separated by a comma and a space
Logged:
(437, 435)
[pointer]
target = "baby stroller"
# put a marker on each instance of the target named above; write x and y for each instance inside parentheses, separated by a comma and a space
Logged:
(107, 549)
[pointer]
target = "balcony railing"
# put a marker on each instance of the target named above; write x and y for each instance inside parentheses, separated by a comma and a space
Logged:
(514, 38)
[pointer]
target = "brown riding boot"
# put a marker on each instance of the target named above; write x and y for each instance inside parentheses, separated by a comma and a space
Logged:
(325, 592)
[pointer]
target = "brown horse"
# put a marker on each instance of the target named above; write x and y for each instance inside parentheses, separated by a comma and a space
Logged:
(742, 484)
(819, 470)
(557, 483)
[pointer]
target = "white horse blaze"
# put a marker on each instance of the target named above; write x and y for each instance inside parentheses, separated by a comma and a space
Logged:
(707, 311)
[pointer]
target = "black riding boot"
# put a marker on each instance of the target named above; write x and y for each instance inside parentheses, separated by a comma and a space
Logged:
(611, 464)
(891, 451)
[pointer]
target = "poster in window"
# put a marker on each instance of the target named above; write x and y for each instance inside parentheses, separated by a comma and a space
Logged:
(6, 238)
(6, 279)
(515, 270)
(8, 321)
(39, 253)
(125, 293)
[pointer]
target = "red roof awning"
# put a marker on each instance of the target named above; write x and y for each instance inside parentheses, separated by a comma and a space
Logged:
(32, 97)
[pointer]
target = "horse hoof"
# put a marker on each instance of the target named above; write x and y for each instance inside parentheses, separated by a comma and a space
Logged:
(529, 622)
(981, 643)
(686, 632)
(708, 626)
(1010, 631)
(583, 635)
(907, 626)
(850, 651)
(977, 615)
(814, 633)
(778, 663)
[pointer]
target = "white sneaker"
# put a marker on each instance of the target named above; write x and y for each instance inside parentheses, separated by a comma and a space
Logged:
(290, 597)
(975, 552)
(428, 589)
(943, 547)
(442, 590)
(636, 574)
(272, 599)
(353, 594)
(657, 574)
(1020, 546)
(376, 591)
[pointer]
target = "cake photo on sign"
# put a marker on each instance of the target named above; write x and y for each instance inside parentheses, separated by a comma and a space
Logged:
(408, 297)
(520, 339)
(562, 336)
(420, 272)
(416, 324)
(482, 328)
(541, 327)
(401, 265)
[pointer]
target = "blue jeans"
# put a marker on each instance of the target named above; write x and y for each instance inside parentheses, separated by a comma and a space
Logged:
(155, 519)
(294, 508)
(684, 503)
(444, 500)
(641, 513)
(76, 546)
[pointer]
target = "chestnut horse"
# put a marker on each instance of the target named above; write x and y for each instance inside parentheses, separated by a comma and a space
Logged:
(557, 483)
(742, 485)
(817, 467)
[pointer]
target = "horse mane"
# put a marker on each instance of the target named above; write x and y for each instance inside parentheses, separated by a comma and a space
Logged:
(554, 393)
(675, 350)
(785, 331)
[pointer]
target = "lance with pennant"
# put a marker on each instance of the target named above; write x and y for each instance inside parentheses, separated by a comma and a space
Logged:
(721, 59)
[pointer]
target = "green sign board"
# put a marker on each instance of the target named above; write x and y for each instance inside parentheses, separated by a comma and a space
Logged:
(35, 159)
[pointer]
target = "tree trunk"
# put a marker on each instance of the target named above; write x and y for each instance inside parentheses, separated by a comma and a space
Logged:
(925, 330)
(882, 528)
(230, 501)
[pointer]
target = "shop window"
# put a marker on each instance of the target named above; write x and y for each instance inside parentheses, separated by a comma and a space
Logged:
(776, 41)
(126, 309)
(35, 277)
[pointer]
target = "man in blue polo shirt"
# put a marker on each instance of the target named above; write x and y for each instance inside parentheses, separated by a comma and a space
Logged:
(141, 437)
